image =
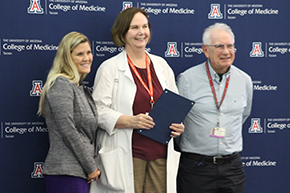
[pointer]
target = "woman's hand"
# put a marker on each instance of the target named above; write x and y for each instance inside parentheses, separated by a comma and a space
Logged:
(94, 176)
(140, 121)
(178, 129)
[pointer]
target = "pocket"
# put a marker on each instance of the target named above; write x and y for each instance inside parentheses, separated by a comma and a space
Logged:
(192, 166)
(236, 105)
(112, 175)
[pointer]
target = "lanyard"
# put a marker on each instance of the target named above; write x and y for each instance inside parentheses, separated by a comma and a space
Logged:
(150, 90)
(213, 90)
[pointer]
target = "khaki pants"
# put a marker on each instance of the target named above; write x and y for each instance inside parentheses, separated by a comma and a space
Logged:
(149, 176)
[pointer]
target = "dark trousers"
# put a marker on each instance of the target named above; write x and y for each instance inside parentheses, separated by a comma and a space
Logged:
(199, 175)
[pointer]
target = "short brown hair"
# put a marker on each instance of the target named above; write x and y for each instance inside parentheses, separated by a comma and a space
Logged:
(122, 25)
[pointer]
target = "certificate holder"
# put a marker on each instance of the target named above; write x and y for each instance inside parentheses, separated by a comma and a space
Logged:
(170, 108)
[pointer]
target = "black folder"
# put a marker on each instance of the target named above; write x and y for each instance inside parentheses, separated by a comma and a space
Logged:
(170, 108)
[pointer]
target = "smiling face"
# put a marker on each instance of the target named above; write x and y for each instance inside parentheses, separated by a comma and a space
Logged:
(82, 57)
(138, 34)
(219, 60)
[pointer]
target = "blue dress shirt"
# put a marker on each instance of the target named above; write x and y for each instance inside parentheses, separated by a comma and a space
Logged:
(236, 107)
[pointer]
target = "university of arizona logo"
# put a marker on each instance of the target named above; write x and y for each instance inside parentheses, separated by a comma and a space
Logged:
(36, 88)
(35, 7)
(215, 12)
(37, 171)
(127, 5)
(257, 50)
(171, 50)
(255, 126)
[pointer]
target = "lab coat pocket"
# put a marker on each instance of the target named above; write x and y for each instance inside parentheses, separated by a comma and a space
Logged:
(112, 177)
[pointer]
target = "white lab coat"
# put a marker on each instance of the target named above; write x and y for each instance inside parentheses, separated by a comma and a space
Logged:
(114, 93)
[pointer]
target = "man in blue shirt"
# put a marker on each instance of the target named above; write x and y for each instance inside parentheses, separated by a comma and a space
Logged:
(210, 161)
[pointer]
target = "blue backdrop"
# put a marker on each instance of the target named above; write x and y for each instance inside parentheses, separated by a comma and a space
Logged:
(29, 36)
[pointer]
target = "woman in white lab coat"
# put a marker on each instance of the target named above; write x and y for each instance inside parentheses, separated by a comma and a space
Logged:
(131, 162)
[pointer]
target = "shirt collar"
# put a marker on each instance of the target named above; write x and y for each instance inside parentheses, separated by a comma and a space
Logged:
(215, 75)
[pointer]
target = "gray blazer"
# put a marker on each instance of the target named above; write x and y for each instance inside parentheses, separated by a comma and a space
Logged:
(71, 119)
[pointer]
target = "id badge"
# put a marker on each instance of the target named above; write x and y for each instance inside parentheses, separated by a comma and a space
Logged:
(218, 132)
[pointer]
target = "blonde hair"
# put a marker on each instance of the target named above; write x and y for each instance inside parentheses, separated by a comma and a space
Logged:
(63, 65)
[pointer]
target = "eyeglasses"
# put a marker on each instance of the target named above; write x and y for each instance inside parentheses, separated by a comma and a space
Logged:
(221, 47)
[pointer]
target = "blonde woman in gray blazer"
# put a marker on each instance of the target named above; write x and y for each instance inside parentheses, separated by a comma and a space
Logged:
(71, 119)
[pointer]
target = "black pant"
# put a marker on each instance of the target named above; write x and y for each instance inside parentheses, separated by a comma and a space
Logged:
(198, 175)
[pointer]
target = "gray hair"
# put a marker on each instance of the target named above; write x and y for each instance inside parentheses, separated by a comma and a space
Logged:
(206, 39)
